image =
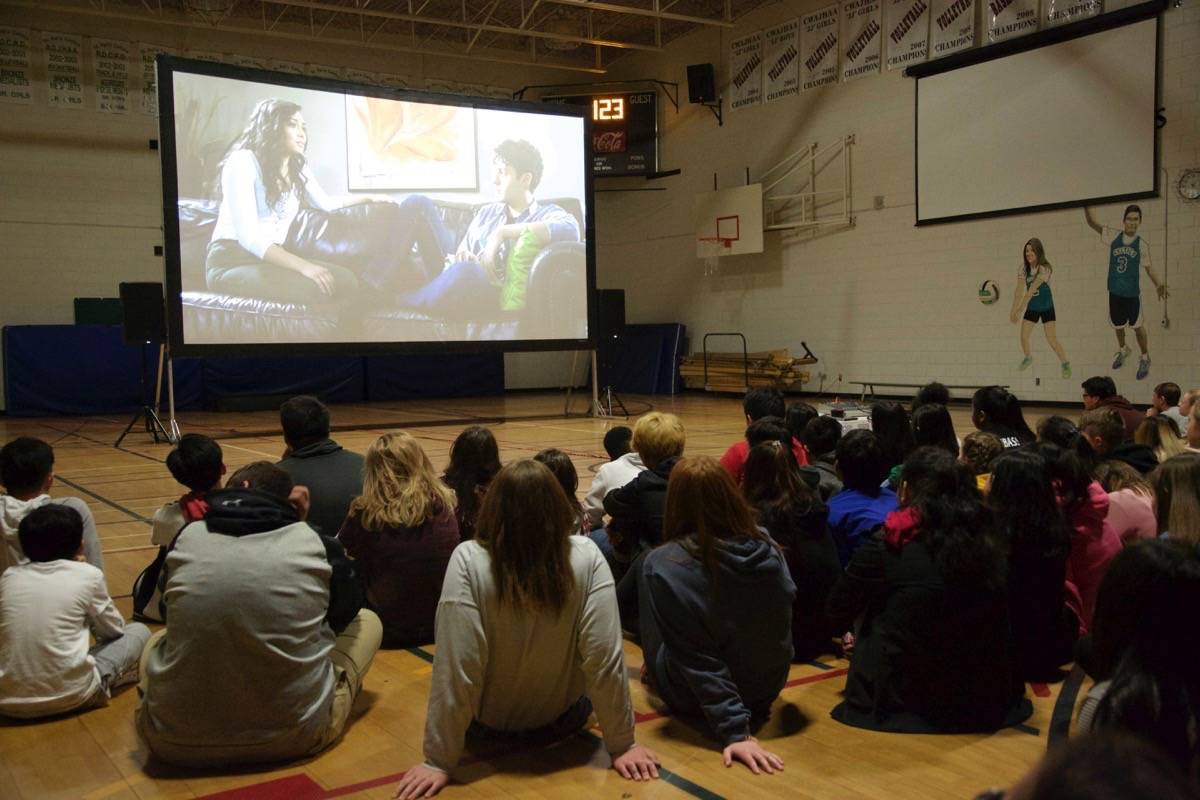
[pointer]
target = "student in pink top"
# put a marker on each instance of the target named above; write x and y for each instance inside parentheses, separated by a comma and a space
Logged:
(1130, 500)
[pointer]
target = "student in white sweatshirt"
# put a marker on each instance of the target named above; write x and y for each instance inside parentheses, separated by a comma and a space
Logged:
(27, 472)
(528, 636)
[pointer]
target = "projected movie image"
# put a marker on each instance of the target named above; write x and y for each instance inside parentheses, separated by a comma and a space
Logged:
(326, 217)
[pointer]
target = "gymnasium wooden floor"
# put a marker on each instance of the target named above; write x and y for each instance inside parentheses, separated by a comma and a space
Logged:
(98, 755)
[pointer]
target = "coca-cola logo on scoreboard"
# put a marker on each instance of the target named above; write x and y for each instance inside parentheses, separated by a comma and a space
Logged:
(608, 142)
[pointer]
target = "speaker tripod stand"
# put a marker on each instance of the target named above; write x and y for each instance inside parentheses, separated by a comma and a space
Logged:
(149, 413)
(607, 400)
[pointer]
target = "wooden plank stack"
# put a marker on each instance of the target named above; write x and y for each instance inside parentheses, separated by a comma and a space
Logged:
(726, 373)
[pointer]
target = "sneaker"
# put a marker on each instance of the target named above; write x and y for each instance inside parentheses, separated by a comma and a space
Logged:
(1066, 369)
(1120, 357)
(1143, 367)
(126, 678)
(1025, 362)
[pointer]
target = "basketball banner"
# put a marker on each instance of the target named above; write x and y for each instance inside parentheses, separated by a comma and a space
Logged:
(908, 32)
(64, 69)
(819, 47)
(15, 83)
(745, 71)
(861, 40)
(1008, 18)
(110, 65)
(951, 27)
(782, 59)
(1060, 12)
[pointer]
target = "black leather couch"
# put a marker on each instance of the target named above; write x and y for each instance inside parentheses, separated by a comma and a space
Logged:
(347, 237)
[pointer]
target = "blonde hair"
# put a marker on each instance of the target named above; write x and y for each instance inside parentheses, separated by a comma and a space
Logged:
(658, 436)
(1158, 433)
(400, 487)
(1176, 484)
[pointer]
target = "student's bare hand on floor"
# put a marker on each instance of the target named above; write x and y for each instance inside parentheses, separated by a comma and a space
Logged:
(420, 781)
(750, 752)
(637, 764)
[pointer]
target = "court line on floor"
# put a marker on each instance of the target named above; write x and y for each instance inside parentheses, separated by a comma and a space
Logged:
(101, 498)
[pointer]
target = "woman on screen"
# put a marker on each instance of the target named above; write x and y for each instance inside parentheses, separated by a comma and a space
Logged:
(1033, 294)
(264, 183)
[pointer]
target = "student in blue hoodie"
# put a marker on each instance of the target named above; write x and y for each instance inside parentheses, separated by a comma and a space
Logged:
(863, 502)
(716, 621)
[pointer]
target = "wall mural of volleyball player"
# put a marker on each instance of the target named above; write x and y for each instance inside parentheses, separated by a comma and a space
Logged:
(1128, 255)
(1034, 295)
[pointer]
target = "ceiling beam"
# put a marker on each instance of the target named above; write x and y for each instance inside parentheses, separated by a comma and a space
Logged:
(642, 12)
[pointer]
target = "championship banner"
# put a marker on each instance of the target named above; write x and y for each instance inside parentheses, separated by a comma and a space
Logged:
(952, 27)
(290, 67)
(322, 71)
(1008, 18)
(745, 71)
(861, 38)
(908, 32)
(110, 65)
(147, 53)
(819, 47)
(1060, 12)
(362, 76)
(64, 69)
(782, 59)
(15, 83)
(216, 58)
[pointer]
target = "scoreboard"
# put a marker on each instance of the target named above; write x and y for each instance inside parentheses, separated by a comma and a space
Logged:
(624, 132)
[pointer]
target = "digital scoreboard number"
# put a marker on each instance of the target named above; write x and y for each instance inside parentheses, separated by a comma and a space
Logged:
(624, 132)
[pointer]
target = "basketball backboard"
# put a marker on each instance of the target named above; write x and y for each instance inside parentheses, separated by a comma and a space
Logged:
(729, 222)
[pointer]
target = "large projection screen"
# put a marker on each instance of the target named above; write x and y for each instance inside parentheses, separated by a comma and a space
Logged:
(305, 215)
(1063, 124)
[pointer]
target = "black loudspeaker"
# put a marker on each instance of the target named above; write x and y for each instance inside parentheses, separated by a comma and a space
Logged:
(702, 83)
(611, 307)
(143, 313)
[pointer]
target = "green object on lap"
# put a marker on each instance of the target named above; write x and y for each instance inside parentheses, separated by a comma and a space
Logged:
(516, 275)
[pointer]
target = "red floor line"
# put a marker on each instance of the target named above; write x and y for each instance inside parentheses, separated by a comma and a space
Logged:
(824, 676)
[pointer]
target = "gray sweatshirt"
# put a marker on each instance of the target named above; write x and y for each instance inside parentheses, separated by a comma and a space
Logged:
(12, 511)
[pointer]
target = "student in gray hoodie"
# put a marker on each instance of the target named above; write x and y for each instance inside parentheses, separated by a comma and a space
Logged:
(716, 612)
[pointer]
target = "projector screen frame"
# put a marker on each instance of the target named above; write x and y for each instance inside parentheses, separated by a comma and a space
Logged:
(1009, 47)
(169, 65)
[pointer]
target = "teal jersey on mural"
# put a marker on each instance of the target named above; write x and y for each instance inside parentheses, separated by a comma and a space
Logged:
(1124, 266)
(1043, 299)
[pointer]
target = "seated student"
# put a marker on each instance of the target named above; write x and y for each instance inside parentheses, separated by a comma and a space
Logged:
(1031, 526)
(48, 607)
(1177, 493)
(400, 533)
(757, 404)
(934, 650)
(821, 437)
(889, 422)
(1057, 430)
(27, 472)
(268, 643)
(997, 411)
(716, 604)
(620, 470)
(1101, 392)
(332, 474)
(795, 517)
(931, 425)
(979, 451)
(617, 442)
(1165, 403)
(474, 461)
(637, 507)
(1145, 650)
(1130, 501)
(528, 640)
(1161, 435)
(798, 416)
(1103, 430)
(563, 469)
(1192, 434)
(864, 502)
(930, 394)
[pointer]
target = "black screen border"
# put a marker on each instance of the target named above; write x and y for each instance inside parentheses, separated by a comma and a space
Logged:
(168, 65)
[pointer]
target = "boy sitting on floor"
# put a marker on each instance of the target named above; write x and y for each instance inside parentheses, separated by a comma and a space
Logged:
(47, 607)
(198, 463)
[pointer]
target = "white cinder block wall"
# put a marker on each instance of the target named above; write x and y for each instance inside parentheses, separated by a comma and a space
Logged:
(886, 300)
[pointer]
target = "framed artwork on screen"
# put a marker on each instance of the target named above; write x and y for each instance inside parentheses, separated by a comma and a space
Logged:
(399, 145)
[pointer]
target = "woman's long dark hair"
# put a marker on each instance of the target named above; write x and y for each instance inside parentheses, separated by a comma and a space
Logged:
(1000, 406)
(474, 461)
(1146, 641)
(784, 504)
(953, 520)
(1040, 257)
(1070, 470)
(263, 136)
(932, 426)
(1025, 510)
(889, 422)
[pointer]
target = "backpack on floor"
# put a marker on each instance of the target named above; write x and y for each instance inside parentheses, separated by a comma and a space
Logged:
(147, 593)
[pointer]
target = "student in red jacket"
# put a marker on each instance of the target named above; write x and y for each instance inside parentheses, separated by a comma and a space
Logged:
(757, 404)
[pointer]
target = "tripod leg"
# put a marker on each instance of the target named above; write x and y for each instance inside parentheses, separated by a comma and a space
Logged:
(129, 427)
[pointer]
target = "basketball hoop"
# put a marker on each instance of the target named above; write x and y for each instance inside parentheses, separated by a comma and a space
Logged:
(712, 248)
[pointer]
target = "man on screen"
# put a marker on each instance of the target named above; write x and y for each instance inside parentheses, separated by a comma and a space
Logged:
(489, 269)
(1128, 254)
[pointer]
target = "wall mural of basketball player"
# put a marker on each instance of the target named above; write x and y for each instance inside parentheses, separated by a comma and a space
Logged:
(1034, 295)
(1128, 255)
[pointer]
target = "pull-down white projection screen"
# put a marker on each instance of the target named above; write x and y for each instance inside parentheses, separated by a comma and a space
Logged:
(1062, 124)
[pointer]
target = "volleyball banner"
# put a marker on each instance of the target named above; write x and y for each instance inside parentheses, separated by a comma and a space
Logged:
(951, 27)
(64, 69)
(147, 53)
(861, 38)
(745, 71)
(1008, 18)
(782, 59)
(819, 47)
(1060, 12)
(110, 65)
(908, 32)
(15, 83)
